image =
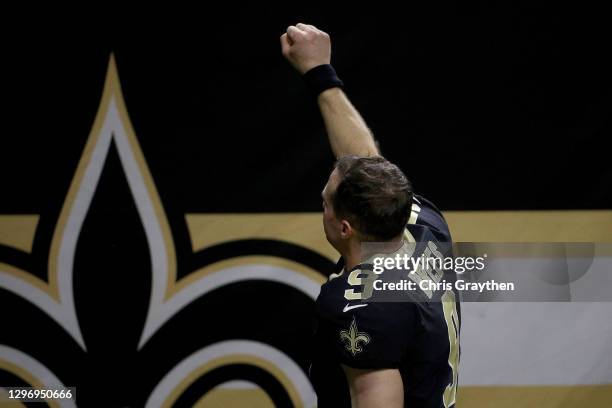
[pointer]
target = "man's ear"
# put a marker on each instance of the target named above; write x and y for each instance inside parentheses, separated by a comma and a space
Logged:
(346, 230)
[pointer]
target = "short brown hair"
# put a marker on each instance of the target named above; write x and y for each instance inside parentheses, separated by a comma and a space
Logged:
(373, 195)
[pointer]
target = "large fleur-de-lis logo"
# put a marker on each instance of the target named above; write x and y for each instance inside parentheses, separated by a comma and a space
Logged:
(211, 360)
(354, 338)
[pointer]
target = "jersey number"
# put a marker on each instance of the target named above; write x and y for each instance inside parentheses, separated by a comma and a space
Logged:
(357, 278)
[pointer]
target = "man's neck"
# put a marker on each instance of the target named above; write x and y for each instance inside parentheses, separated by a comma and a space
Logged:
(354, 255)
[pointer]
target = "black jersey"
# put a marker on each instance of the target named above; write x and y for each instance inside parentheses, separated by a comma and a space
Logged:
(419, 338)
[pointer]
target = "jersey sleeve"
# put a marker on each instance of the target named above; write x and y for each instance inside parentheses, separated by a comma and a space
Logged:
(371, 335)
(426, 218)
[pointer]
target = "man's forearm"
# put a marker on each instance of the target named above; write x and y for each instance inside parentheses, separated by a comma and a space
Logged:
(347, 131)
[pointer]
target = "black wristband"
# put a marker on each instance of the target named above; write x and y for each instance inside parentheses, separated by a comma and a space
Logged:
(320, 78)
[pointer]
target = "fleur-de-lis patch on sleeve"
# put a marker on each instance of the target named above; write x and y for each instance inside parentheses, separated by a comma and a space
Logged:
(354, 338)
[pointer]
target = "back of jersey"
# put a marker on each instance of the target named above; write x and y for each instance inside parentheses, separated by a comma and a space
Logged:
(419, 337)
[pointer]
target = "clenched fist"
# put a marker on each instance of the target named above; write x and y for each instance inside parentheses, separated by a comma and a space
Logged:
(306, 47)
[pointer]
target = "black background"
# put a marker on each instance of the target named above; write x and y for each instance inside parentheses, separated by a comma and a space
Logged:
(484, 107)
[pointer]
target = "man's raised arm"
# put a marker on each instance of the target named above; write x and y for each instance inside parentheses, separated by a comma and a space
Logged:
(308, 49)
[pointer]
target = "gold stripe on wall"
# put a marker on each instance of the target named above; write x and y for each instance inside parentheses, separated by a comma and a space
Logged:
(303, 229)
(530, 226)
(306, 229)
(17, 231)
(534, 396)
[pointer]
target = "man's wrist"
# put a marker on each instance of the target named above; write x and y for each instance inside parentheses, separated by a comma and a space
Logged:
(321, 78)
